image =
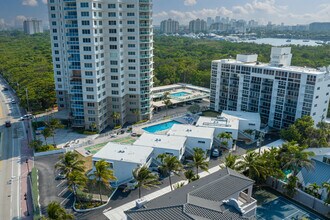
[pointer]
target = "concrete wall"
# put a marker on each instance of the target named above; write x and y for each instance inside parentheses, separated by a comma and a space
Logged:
(302, 197)
(176, 153)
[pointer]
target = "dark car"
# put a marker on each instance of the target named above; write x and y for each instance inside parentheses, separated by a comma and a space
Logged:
(5, 89)
(8, 124)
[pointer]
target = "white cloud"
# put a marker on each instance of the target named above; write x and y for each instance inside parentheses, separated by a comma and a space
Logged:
(44, 1)
(30, 2)
(190, 2)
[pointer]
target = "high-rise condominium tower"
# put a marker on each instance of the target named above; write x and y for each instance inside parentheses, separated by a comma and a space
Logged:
(281, 93)
(32, 26)
(103, 60)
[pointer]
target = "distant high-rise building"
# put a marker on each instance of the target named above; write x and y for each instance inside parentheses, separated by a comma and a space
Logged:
(32, 26)
(197, 26)
(319, 26)
(209, 21)
(217, 19)
(169, 26)
(281, 93)
(103, 60)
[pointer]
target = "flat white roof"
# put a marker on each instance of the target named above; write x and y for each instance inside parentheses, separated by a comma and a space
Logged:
(249, 116)
(191, 131)
(299, 69)
(161, 141)
(126, 153)
(218, 122)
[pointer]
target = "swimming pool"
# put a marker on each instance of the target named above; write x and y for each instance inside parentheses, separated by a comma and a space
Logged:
(179, 94)
(160, 127)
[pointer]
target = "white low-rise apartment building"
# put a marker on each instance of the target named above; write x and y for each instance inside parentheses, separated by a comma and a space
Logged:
(168, 144)
(123, 159)
(197, 137)
(281, 93)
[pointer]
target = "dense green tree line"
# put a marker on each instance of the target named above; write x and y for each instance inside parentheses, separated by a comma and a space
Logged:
(189, 60)
(25, 62)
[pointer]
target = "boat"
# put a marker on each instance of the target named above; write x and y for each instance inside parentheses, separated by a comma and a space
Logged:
(288, 40)
(305, 40)
(252, 38)
(319, 42)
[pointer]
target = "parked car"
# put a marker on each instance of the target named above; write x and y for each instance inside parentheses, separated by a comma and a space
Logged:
(8, 124)
(5, 89)
(134, 134)
(215, 153)
(60, 176)
(13, 101)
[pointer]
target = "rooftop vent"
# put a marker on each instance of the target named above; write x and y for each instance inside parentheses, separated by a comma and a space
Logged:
(121, 151)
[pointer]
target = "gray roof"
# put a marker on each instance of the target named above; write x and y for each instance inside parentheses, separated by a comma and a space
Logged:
(319, 174)
(224, 182)
(225, 186)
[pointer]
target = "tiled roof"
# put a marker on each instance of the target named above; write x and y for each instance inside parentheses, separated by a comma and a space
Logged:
(229, 214)
(166, 213)
(215, 187)
(224, 188)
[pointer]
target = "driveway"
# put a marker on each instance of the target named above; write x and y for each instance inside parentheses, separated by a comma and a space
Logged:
(50, 189)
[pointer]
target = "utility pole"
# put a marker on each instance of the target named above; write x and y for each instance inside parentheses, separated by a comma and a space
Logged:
(27, 99)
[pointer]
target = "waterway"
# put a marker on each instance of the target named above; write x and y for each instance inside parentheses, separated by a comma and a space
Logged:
(281, 42)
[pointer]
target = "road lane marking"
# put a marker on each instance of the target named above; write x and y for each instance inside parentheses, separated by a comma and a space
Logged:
(66, 198)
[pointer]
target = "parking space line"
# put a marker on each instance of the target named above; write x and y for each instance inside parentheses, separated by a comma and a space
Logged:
(62, 191)
(60, 183)
(66, 198)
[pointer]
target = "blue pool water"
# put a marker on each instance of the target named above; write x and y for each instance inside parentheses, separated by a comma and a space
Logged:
(160, 127)
(179, 94)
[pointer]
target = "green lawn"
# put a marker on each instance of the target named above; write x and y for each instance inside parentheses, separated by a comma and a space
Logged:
(125, 140)
(95, 148)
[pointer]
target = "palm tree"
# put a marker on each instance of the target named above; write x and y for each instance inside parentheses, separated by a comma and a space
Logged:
(314, 189)
(145, 178)
(225, 137)
(291, 185)
(327, 188)
(76, 180)
(93, 126)
(54, 124)
(56, 212)
(252, 164)
(190, 175)
(170, 164)
(167, 100)
(136, 112)
(230, 161)
(116, 117)
(293, 157)
(199, 160)
(70, 162)
(47, 132)
(102, 174)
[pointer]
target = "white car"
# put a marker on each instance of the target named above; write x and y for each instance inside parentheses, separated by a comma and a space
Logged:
(13, 101)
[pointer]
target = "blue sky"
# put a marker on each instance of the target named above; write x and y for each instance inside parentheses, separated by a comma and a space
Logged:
(277, 11)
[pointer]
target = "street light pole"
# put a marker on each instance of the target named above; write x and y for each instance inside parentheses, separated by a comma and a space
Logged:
(27, 204)
(27, 99)
(27, 164)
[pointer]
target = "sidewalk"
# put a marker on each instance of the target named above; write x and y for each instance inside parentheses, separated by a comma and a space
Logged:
(118, 213)
(26, 153)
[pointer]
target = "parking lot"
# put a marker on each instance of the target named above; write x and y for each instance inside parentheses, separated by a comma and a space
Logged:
(52, 189)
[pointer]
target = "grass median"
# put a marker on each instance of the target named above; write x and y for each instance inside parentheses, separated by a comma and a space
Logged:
(35, 193)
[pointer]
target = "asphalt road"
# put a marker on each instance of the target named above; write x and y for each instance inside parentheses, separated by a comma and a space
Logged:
(10, 157)
(51, 190)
